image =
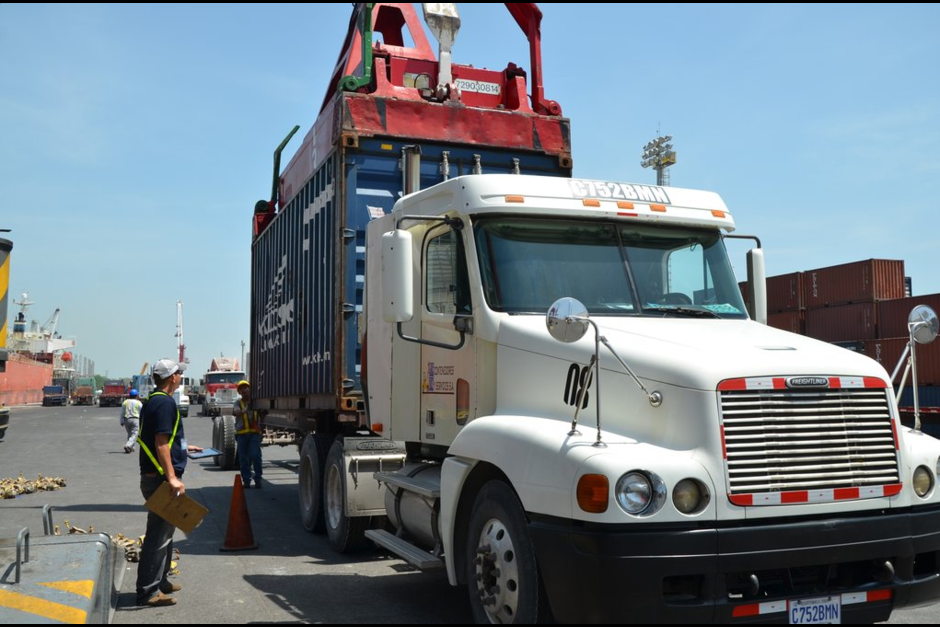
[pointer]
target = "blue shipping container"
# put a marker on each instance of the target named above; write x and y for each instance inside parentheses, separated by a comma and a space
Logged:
(308, 265)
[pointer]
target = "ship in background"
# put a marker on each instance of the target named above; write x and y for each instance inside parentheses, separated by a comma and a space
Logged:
(37, 356)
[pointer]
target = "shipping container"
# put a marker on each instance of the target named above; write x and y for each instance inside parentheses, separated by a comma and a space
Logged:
(893, 314)
(888, 351)
(791, 321)
(844, 323)
(857, 346)
(928, 396)
(785, 292)
(872, 279)
(308, 259)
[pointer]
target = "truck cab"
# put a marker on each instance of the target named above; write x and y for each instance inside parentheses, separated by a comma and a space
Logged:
(576, 358)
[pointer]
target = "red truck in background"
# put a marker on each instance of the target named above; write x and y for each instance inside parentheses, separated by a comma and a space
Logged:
(113, 394)
(220, 386)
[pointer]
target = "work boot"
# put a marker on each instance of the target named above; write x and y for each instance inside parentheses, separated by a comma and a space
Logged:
(169, 587)
(159, 600)
(258, 484)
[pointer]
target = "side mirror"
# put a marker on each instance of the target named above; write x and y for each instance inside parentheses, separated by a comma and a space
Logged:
(757, 285)
(567, 320)
(924, 324)
(397, 277)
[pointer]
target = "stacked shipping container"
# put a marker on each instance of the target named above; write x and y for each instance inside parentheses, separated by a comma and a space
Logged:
(862, 306)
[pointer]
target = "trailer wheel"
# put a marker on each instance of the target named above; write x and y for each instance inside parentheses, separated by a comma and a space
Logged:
(312, 461)
(502, 574)
(346, 534)
(223, 439)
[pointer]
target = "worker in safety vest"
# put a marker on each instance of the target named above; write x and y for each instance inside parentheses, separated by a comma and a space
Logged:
(248, 435)
(163, 451)
(130, 418)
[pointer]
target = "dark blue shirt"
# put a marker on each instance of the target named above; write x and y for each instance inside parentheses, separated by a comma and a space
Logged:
(160, 415)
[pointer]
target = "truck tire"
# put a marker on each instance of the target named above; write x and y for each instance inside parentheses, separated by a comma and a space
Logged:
(502, 574)
(223, 439)
(310, 486)
(346, 534)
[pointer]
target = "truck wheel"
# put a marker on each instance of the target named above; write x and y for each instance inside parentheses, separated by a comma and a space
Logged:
(502, 575)
(346, 534)
(312, 461)
(223, 439)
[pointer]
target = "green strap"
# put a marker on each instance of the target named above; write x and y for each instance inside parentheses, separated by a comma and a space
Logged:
(145, 448)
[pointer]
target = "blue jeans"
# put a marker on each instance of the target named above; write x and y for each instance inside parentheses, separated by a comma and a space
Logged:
(249, 454)
(157, 551)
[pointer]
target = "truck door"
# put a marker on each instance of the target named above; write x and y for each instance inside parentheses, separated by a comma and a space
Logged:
(448, 393)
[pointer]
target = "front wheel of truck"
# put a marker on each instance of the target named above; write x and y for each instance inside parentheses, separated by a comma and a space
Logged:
(310, 485)
(502, 574)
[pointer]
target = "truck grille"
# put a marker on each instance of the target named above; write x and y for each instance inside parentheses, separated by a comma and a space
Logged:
(808, 445)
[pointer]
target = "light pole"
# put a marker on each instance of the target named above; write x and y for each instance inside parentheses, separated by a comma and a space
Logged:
(659, 155)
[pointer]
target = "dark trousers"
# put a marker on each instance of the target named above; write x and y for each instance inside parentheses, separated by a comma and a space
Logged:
(249, 456)
(157, 551)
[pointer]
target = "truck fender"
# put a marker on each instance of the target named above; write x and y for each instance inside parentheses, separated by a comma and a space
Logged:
(533, 455)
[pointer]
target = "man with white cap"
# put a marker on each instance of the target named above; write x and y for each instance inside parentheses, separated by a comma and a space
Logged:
(162, 458)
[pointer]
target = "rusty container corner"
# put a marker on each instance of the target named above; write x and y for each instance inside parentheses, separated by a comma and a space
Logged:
(785, 292)
(792, 321)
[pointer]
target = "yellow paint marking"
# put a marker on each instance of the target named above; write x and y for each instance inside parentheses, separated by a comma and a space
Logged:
(84, 588)
(41, 607)
(4, 276)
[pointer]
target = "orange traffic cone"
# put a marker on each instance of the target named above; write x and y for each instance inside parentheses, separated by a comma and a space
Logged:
(238, 536)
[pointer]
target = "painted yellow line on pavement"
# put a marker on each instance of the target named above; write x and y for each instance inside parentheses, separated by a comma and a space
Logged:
(84, 587)
(41, 607)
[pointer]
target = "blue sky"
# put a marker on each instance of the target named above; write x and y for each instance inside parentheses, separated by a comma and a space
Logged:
(134, 140)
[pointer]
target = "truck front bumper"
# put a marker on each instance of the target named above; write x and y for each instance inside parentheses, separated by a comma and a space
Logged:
(738, 573)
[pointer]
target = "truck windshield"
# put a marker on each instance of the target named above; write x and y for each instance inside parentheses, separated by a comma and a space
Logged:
(224, 377)
(614, 269)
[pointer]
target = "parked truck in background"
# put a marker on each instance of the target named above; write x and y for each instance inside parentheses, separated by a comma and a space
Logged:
(113, 394)
(550, 388)
(220, 386)
(84, 392)
(54, 395)
(143, 383)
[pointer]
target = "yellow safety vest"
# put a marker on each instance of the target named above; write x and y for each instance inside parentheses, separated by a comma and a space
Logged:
(144, 447)
(250, 427)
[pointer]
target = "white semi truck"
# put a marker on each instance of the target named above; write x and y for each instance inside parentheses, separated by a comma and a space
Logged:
(549, 388)
(706, 468)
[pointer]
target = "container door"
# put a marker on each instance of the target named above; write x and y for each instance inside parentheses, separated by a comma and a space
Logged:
(448, 390)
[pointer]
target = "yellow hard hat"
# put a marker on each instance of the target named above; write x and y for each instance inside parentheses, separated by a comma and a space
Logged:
(241, 383)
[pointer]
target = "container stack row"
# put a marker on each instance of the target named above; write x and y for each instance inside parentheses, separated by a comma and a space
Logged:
(864, 307)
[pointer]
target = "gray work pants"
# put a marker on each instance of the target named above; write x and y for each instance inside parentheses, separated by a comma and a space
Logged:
(155, 556)
(132, 425)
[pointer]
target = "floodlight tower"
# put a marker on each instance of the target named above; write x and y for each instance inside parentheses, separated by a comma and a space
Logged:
(659, 155)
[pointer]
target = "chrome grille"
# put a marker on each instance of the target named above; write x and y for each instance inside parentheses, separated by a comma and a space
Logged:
(784, 440)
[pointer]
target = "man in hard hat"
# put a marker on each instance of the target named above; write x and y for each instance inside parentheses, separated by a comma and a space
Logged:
(248, 435)
(163, 459)
(130, 418)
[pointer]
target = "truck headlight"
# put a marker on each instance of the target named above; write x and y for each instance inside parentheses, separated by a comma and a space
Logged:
(641, 493)
(689, 496)
(923, 481)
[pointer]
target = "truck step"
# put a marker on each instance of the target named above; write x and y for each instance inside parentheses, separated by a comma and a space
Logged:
(411, 484)
(419, 558)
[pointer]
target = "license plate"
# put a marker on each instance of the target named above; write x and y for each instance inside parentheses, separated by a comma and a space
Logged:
(816, 611)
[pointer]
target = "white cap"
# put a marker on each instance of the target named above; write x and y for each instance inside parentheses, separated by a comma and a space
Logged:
(165, 368)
